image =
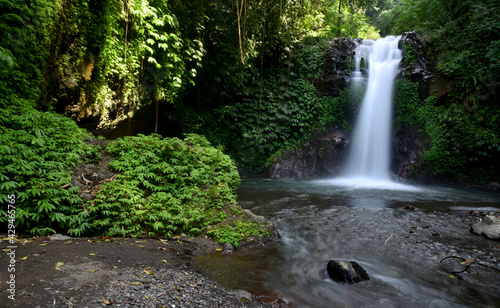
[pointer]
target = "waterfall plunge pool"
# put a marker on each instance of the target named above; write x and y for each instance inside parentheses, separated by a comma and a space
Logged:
(400, 249)
(366, 218)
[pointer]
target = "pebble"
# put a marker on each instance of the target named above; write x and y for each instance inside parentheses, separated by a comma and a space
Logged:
(166, 288)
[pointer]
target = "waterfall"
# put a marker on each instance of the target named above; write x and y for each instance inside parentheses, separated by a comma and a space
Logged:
(369, 157)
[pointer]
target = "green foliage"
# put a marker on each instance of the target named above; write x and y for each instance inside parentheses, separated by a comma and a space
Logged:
(235, 232)
(348, 19)
(463, 148)
(24, 45)
(407, 103)
(144, 52)
(264, 116)
(164, 185)
(462, 123)
(350, 99)
(285, 114)
(37, 153)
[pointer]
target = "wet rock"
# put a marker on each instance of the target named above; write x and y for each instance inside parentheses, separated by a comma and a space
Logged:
(337, 66)
(489, 226)
(321, 155)
(415, 67)
(228, 247)
(492, 186)
(59, 237)
(258, 218)
(350, 272)
(243, 295)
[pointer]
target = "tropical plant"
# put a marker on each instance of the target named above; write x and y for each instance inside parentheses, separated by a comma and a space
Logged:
(37, 154)
(164, 185)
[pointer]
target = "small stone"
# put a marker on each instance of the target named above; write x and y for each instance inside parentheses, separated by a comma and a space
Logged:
(59, 237)
(228, 247)
(243, 295)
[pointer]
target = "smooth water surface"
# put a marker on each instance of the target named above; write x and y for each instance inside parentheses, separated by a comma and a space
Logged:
(400, 249)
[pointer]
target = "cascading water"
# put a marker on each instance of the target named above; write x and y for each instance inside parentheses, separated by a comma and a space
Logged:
(370, 152)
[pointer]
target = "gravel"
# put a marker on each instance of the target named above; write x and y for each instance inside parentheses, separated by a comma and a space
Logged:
(95, 272)
(141, 287)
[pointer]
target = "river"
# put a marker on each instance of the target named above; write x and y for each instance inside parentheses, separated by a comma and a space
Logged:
(400, 248)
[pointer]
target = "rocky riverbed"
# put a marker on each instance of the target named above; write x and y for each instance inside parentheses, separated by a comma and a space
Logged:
(97, 272)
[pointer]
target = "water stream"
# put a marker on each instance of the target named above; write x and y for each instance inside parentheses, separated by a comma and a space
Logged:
(370, 152)
(362, 217)
(400, 249)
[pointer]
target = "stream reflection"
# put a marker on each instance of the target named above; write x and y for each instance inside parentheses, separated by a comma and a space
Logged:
(400, 249)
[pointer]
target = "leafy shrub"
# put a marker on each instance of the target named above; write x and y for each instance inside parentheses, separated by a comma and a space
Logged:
(461, 146)
(235, 232)
(164, 185)
(407, 102)
(37, 153)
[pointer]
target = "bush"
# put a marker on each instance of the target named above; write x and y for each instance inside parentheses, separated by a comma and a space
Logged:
(38, 150)
(164, 185)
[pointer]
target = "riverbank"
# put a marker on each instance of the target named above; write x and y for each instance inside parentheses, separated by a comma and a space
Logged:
(129, 272)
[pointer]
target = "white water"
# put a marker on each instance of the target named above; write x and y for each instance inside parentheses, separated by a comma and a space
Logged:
(369, 159)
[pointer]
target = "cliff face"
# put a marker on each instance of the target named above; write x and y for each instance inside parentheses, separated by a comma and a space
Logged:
(325, 152)
(337, 67)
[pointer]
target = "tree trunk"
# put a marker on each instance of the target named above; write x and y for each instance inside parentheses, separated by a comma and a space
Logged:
(157, 103)
(239, 10)
(339, 23)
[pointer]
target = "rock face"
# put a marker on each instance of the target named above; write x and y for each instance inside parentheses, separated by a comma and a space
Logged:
(324, 153)
(408, 154)
(350, 272)
(320, 156)
(339, 61)
(414, 65)
(489, 226)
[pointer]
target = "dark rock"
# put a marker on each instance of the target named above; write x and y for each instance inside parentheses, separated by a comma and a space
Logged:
(409, 207)
(228, 247)
(492, 186)
(417, 70)
(489, 226)
(88, 195)
(322, 155)
(350, 272)
(408, 155)
(337, 66)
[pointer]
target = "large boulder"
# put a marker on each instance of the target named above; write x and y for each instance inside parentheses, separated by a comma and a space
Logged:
(321, 155)
(342, 271)
(489, 226)
(494, 186)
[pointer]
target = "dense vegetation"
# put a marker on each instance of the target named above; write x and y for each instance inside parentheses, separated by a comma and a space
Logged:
(239, 72)
(461, 116)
